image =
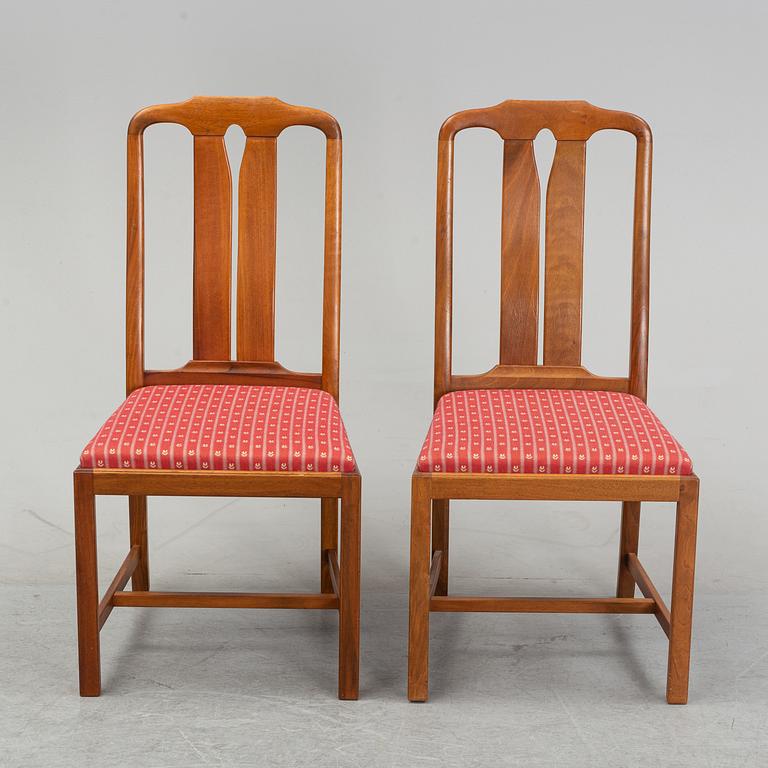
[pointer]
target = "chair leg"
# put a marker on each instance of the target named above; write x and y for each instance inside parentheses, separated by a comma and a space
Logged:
(137, 515)
(349, 587)
(440, 540)
(628, 540)
(418, 623)
(329, 539)
(87, 585)
(682, 591)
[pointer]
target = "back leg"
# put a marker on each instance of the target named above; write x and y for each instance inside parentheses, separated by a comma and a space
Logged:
(629, 537)
(440, 528)
(137, 515)
(329, 539)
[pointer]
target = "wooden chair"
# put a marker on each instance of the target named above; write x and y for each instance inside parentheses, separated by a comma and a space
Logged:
(530, 429)
(217, 426)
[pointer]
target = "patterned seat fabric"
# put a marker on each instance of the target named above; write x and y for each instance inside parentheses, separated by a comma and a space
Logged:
(549, 431)
(224, 427)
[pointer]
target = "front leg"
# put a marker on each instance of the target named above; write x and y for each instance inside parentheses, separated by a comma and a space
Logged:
(418, 623)
(349, 587)
(87, 585)
(681, 610)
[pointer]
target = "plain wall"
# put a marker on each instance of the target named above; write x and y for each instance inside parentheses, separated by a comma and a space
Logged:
(71, 76)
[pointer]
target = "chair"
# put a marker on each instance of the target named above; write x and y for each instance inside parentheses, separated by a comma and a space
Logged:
(550, 429)
(218, 426)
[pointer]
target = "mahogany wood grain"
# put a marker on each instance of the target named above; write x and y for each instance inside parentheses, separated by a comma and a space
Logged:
(137, 519)
(256, 251)
(647, 587)
(440, 541)
(434, 572)
(329, 540)
(450, 485)
(332, 267)
(629, 538)
(212, 281)
(333, 571)
(519, 255)
(564, 251)
(285, 600)
(539, 377)
(572, 123)
(349, 589)
(263, 116)
(524, 120)
(134, 295)
(458, 603)
(681, 608)
(641, 259)
(234, 372)
(262, 120)
(87, 573)
(444, 269)
(169, 482)
(122, 576)
(518, 123)
(419, 600)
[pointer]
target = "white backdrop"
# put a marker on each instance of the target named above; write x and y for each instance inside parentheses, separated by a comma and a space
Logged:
(71, 76)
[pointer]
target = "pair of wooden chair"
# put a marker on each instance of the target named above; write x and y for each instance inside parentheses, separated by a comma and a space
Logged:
(249, 427)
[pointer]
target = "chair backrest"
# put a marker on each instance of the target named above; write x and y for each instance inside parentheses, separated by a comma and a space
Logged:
(518, 123)
(262, 120)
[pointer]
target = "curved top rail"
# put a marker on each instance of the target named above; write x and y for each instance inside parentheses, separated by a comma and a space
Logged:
(263, 116)
(522, 120)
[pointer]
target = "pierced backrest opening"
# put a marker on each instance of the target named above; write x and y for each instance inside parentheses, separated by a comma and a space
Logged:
(262, 120)
(518, 123)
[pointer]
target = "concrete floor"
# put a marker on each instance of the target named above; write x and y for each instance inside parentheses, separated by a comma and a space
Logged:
(257, 688)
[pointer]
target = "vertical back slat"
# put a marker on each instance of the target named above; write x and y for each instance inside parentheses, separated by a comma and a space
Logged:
(564, 243)
(213, 250)
(256, 247)
(520, 225)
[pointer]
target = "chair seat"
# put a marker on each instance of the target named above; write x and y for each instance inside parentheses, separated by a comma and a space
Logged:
(549, 431)
(223, 427)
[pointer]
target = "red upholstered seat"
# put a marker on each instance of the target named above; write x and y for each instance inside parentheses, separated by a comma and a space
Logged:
(224, 427)
(549, 431)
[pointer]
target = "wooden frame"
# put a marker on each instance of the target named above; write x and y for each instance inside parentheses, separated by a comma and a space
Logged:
(262, 120)
(572, 123)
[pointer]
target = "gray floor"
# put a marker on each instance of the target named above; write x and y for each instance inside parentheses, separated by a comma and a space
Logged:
(257, 688)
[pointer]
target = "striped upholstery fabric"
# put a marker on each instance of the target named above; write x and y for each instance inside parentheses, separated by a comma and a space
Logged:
(549, 431)
(224, 427)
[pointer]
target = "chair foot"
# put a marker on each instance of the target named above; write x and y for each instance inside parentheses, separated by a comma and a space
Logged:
(87, 585)
(349, 587)
(681, 609)
(418, 623)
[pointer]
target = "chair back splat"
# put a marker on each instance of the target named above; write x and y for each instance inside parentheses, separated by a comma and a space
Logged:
(262, 120)
(518, 123)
